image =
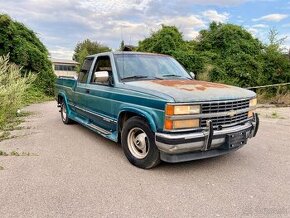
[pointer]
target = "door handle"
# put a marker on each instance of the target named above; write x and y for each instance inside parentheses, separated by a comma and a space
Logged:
(87, 91)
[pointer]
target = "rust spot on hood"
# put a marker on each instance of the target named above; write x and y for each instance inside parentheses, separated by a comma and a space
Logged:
(190, 85)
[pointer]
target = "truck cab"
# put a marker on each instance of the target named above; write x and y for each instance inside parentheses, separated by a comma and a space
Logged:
(156, 109)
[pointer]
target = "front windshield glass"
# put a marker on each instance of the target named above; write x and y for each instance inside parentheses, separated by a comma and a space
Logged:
(146, 66)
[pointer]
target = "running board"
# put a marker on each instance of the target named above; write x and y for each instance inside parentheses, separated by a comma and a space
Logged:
(99, 129)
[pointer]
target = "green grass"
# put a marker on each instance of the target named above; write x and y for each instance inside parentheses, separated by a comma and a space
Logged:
(34, 95)
(31, 96)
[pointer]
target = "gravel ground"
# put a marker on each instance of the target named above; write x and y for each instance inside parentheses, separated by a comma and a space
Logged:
(69, 171)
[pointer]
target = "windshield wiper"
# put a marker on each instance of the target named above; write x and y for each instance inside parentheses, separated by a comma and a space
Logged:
(134, 77)
(174, 75)
(171, 75)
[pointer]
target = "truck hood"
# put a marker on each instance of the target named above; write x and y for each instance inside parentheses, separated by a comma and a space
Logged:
(190, 90)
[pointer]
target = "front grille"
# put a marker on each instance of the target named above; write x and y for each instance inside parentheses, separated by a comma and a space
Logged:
(215, 107)
(225, 120)
(224, 106)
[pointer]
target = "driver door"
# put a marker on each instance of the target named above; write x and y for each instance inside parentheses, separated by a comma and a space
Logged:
(99, 98)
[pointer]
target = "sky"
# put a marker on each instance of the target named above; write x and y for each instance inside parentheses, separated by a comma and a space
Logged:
(61, 24)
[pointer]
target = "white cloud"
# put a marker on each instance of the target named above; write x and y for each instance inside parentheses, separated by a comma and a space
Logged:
(217, 2)
(272, 17)
(187, 24)
(260, 26)
(253, 31)
(61, 52)
(213, 15)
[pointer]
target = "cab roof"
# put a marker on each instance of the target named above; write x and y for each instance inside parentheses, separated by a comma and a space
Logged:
(127, 53)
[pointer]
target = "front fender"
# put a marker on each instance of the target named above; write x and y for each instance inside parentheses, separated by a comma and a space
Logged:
(146, 115)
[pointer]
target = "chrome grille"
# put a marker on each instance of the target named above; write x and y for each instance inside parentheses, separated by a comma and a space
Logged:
(215, 107)
(224, 106)
(225, 120)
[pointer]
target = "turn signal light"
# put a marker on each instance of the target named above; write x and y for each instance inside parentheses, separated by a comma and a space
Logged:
(181, 124)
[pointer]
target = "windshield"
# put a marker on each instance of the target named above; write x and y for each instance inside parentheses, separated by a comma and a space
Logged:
(146, 66)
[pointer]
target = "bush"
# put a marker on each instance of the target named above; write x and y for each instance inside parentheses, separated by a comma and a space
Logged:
(12, 89)
(26, 50)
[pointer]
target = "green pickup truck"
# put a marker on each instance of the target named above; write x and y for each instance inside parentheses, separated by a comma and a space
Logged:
(155, 109)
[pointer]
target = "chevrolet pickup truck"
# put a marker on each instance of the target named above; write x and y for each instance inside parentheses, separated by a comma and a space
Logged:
(156, 109)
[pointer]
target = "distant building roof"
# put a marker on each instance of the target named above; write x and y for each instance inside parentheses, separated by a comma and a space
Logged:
(63, 61)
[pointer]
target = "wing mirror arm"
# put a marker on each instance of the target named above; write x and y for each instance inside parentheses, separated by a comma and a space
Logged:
(192, 75)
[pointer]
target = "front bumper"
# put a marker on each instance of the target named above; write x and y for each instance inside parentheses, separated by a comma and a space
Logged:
(179, 147)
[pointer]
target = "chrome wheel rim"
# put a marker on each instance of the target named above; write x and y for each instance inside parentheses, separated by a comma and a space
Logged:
(63, 112)
(138, 143)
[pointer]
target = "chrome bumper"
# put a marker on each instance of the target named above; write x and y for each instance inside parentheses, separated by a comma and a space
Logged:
(207, 140)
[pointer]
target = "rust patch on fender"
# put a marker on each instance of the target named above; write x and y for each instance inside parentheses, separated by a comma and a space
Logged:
(190, 85)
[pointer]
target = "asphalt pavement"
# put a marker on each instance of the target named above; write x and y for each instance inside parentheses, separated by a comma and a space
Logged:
(69, 171)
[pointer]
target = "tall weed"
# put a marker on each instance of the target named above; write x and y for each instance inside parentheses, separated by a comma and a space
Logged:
(12, 89)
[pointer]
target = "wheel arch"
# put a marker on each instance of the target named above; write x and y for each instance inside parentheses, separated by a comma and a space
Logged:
(127, 113)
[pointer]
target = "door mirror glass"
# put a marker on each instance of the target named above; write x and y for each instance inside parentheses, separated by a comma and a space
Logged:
(101, 77)
(192, 75)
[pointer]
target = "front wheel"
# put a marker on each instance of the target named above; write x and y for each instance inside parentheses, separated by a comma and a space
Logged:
(138, 143)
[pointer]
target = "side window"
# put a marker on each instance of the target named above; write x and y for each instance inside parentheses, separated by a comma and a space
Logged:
(84, 73)
(103, 63)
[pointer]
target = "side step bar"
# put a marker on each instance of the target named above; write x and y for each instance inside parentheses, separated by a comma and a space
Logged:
(98, 129)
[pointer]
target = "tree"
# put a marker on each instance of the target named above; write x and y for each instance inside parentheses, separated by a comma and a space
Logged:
(165, 41)
(27, 51)
(169, 40)
(122, 45)
(276, 64)
(233, 53)
(224, 53)
(88, 47)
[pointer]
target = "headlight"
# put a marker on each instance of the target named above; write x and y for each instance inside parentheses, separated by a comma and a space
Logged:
(253, 102)
(181, 124)
(182, 109)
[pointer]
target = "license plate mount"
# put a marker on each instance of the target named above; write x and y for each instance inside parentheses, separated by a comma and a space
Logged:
(236, 139)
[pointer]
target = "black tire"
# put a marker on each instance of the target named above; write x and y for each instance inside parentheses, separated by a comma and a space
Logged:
(63, 114)
(152, 157)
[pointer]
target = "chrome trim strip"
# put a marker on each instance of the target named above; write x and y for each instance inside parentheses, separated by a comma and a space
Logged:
(203, 128)
(210, 115)
(209, 102)
(99, 129)
(201, 134)
(95, 114)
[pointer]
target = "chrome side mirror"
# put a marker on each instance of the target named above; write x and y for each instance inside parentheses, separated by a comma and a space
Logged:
(192, 75)
(101, 77)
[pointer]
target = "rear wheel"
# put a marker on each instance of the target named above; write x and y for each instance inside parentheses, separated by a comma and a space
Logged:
(138, 143)
(63, 113)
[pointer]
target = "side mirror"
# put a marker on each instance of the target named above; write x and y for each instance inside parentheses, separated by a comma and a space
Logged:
(101, 77)
(192, 75)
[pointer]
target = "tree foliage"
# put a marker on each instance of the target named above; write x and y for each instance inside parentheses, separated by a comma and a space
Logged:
(88, 47)
(224, 53)
(27, 51)
(169, 40)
